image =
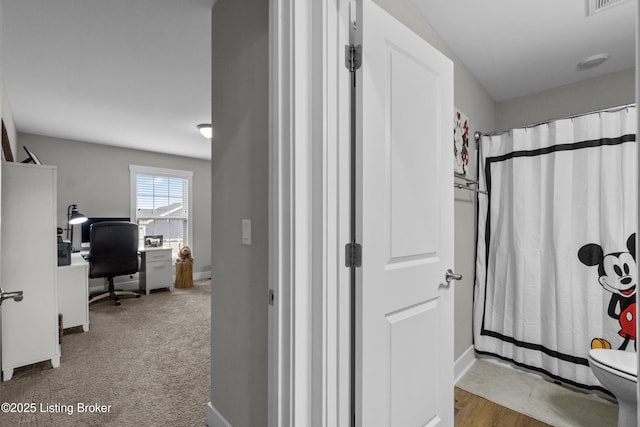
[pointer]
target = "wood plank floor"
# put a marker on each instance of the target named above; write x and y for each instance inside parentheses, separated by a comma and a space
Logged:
(475, 411)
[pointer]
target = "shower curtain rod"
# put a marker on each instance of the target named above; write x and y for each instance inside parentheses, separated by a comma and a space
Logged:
(461, 176)
(477, 135)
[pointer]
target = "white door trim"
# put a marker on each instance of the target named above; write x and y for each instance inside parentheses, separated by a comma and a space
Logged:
(308, 225)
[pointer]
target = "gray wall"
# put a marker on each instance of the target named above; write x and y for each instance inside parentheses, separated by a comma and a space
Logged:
(610, 90)
(471, 99)
(239, 331)
(96, 178)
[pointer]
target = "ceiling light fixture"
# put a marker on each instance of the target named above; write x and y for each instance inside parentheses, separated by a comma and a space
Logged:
(206, 130)
(592, 61)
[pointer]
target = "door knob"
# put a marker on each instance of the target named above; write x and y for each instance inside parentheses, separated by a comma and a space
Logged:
(450, 276)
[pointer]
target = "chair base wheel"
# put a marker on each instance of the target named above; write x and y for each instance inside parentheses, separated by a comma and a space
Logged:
(114, 295)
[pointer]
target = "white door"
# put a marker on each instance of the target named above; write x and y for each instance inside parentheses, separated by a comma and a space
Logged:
(404, 308)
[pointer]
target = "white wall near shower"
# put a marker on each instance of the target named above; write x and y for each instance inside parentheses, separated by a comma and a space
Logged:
(610, 90)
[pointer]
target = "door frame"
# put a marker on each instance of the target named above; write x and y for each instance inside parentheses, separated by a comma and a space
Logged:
(309, 338)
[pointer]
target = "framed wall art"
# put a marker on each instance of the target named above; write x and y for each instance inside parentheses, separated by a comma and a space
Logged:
(153, 241)
(460, 143)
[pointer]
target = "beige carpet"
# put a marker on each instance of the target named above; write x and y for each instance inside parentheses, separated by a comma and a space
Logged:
(149, 359)
(537, 398)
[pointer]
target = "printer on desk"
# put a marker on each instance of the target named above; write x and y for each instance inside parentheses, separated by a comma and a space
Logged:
(64, 251)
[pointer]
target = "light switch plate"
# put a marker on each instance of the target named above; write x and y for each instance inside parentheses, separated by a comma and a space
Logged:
(246, 232)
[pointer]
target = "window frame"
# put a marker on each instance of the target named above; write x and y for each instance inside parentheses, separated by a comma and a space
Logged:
(135, 170)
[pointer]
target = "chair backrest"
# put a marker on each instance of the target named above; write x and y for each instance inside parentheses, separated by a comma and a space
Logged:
(114, 249)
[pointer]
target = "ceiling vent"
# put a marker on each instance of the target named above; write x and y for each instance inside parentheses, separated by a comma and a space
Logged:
(595, 6)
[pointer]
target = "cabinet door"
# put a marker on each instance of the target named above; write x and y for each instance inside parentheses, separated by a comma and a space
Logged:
(159, 274)
(29, 264)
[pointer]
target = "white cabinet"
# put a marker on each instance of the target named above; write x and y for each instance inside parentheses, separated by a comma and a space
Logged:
(73, 293)
(156, 270)
(28, 261)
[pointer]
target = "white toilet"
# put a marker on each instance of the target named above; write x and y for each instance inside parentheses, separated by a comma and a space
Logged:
(617, 370)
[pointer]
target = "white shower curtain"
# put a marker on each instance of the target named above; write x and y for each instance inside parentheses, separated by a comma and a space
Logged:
(555, 266)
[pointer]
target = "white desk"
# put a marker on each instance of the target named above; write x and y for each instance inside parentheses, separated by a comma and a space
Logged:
(73, 293)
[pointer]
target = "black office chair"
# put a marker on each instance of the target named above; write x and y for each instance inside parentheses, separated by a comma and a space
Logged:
(113, 252)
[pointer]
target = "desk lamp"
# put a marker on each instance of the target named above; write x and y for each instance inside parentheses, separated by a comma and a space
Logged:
(73, 217)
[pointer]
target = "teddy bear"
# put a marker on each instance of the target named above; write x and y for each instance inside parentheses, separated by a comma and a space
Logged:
(185, 255)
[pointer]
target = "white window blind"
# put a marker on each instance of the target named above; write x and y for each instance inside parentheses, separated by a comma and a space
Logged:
(162, 201)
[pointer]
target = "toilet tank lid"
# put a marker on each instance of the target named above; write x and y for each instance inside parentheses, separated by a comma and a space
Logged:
(624, 361)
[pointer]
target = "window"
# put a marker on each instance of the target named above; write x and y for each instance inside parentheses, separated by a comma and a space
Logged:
(161, 205)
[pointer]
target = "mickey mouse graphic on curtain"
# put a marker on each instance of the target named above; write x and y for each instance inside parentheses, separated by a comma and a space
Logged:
(617, 274)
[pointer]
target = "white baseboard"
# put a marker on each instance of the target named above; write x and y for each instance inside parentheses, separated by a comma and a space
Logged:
(214, 418)
(197, 275)
(463, 363)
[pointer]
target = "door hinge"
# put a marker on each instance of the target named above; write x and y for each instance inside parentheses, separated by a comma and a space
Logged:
(353, 255)
(353, 57)
(271, 297)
